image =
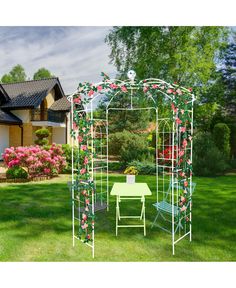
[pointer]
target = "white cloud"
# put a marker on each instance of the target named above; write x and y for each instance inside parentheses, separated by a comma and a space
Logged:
(74, 54)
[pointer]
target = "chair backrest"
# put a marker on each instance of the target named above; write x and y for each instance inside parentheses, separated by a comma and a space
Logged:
(177, 185)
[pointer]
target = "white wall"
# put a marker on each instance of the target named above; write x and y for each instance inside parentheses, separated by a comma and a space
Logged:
(68, 124)
(59, 135)
(4, 138)
(24, 115)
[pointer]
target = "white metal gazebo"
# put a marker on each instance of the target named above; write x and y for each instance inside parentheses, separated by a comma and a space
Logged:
(174, 187)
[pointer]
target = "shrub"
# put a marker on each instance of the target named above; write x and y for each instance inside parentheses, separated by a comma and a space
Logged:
(16, 172)
(42, 135)
(116, 166)
(36, 159)
(208, 160)
(145, 168)
(67, 153)
(221, 134)
(232, 127)
(128, 146)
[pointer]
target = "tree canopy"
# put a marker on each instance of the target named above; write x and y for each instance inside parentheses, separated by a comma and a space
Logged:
(42, 73)
(17, 74)
(183, 54)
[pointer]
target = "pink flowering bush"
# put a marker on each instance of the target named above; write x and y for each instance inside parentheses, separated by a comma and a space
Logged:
(38, 160)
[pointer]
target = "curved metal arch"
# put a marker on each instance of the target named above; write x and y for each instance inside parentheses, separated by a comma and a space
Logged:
(134, 85)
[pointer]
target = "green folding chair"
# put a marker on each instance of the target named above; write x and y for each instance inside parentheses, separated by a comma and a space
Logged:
(164, 209)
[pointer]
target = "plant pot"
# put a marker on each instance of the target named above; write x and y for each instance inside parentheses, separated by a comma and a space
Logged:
(130, 179)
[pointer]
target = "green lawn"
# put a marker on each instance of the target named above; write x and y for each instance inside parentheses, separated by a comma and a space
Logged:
(35, 225)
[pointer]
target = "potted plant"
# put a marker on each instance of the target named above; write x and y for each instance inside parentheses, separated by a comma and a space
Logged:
(130, 172)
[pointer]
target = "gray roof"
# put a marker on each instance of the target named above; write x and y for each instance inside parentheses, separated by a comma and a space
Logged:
(9, 118)
(61, 105)
(29, 94)
(3, 95)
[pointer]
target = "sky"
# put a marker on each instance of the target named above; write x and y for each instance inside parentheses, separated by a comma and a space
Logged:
(74, 54)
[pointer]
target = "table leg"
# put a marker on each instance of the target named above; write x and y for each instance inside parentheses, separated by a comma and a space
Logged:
(144, 219)
(117, 214)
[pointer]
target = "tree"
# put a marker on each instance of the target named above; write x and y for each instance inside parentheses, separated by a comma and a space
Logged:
(42, 73)
(6, 78)
(228, 75)
(183, 54)
(17, 74)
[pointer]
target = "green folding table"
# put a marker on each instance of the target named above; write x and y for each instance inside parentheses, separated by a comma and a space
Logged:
(136, 191)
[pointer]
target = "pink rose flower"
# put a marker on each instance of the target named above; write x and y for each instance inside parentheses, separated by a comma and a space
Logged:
(182, 129)
(82, 171)
(83, 147)
(169, 91)
(113, 86)
(99, 88)
(155, 86)
(179, 92)
(87, 201)
(182, 174)
(124, 89)
(86, 160)
(178, 121)
(181, 153)
(88, 236)
(145, 89)
(84, 217)
(84, 226)
(77, 100)
(184, 208)
(189, 162)
(90, 93)
(185, 183)
(185, 143)
(173, 107)
(80, 138)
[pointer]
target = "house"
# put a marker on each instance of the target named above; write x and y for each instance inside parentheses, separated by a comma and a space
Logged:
(30, 105)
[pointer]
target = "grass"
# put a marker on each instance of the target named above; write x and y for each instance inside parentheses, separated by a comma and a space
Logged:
(35, 225)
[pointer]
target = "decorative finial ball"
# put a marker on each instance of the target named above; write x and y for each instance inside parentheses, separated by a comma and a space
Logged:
(131, 74)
